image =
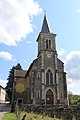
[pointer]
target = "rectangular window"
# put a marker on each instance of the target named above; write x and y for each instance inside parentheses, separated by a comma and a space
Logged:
(46, 43)
(38, 75)
(19, 101)
(49, 44)
(38, 94)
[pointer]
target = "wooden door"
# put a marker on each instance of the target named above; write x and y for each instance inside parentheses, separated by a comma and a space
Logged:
(49, 97)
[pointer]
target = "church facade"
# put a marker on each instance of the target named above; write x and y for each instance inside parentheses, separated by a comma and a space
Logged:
(45, 80)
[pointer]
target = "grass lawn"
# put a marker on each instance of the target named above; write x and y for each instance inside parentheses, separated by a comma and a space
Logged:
(29, 116)
(9, 116)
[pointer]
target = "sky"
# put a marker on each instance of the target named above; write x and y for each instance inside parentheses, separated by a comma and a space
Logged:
(20, 24)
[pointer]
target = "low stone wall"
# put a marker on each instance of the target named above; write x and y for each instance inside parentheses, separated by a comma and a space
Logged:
(66, 113)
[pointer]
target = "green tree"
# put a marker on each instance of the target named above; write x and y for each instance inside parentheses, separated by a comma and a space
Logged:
(9, 86)
(70, 94)
(73, 99)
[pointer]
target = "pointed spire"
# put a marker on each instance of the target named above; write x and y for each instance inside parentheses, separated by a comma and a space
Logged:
(45, 27)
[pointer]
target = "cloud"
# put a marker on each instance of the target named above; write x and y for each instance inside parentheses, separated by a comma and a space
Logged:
(73, 86)
(16, 19)
(72, 68)
(6, 56)
(61, 52)
(72, 65)
(78, 10)
(3, 83)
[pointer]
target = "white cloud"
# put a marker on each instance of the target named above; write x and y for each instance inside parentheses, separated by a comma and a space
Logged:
(3, 83)
(16, 19)
(78, 10)
(61, 52)
(6, 56)
(73, 86)
(72, 67)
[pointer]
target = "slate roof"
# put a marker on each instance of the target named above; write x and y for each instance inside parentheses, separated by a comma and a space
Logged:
(2, 87)
(45, 27)
(20, 73)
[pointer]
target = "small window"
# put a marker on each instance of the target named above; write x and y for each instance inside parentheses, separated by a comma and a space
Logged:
(46, 43)
(19, 101)
(38, 94)
(49, 43)
(38, 75)
(51, 78)
(47, 78)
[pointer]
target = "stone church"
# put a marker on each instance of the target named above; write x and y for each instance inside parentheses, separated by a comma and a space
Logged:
(45, 80)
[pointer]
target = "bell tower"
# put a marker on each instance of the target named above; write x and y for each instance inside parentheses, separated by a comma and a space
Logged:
(47, 46)
(46, 40)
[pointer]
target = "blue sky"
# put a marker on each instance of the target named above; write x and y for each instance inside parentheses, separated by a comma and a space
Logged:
(20, 24)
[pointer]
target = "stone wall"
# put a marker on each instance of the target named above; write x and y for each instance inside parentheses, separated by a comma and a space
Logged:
(66, 113)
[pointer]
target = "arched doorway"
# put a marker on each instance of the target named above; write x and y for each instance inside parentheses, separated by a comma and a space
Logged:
(49, 97)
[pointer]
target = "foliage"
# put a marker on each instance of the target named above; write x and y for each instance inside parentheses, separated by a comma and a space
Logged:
(9, 116)
(73, 99)
(9, 87)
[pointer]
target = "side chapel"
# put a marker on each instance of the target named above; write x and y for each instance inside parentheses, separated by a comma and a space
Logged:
(45, 80)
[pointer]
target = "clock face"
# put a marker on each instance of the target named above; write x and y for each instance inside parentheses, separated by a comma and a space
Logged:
(49, 55)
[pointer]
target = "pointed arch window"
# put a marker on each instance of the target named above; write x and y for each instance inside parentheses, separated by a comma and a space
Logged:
(48, 44)
(49, 77)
